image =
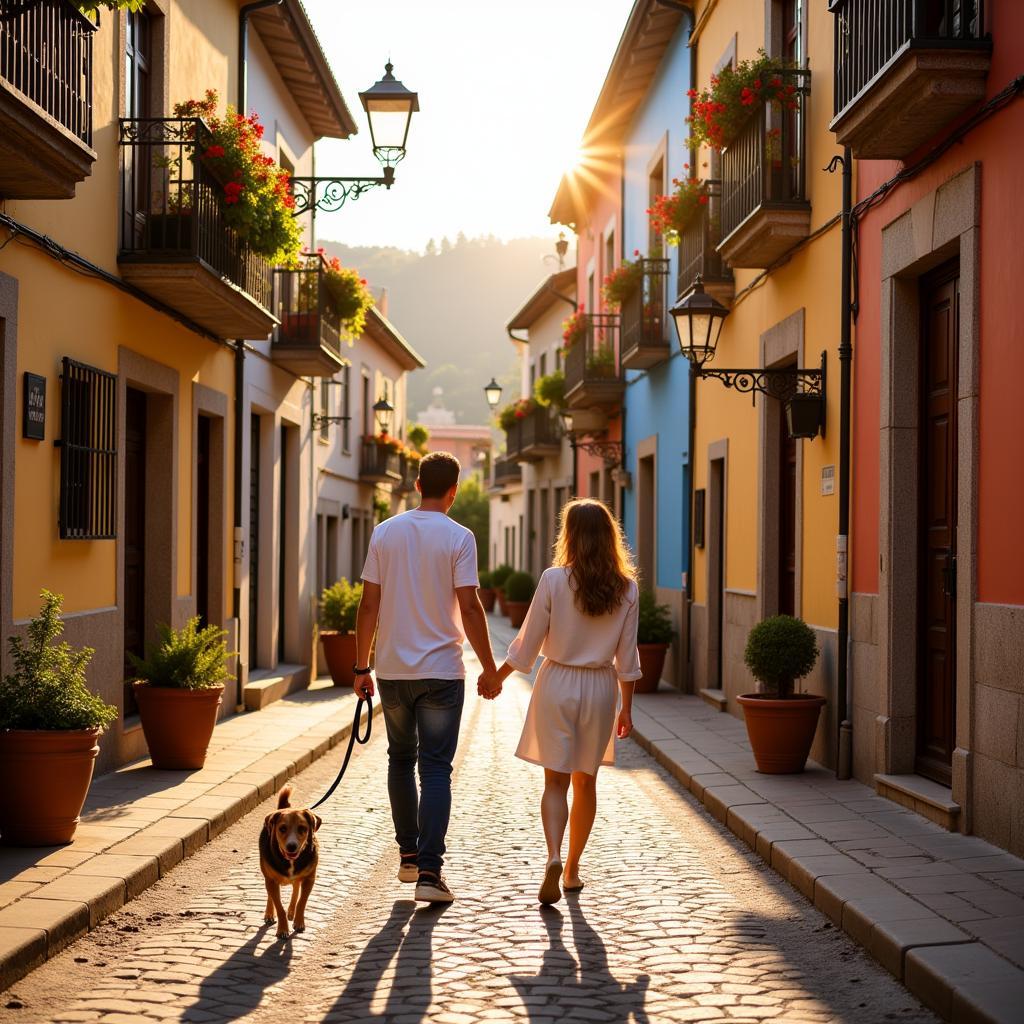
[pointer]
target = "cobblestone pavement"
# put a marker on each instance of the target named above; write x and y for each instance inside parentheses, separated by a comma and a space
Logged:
(678, 922)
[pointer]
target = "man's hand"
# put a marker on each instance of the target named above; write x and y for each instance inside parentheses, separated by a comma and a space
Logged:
(488, 685)
(363, 686)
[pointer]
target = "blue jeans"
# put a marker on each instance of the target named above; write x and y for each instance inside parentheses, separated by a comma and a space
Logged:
(422, 718)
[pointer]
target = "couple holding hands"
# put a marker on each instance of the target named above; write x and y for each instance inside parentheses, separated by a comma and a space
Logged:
(419, 578)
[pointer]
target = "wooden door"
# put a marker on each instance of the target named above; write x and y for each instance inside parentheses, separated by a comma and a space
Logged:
(716, 570)
(203, 520)
(134, 589)
(282, 541)
(936, 683)
(254, 537)
(787, 516)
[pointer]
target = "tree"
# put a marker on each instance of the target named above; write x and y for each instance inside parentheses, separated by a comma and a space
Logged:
(446, 245)
(431, 249)
(472, 510)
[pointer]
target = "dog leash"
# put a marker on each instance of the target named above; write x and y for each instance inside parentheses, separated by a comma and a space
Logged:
(354, 737)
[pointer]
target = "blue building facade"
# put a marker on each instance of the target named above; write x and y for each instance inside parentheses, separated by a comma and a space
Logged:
(656, 508)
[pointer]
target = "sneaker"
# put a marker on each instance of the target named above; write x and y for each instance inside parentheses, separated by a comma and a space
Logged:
(432, 888)
(407, 870)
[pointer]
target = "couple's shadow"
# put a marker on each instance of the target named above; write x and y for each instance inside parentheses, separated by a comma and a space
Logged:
(560, 985)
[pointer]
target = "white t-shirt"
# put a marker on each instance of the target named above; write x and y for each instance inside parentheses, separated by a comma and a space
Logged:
(419, 558)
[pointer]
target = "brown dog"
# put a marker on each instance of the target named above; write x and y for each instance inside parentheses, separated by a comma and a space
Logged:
(288, 856)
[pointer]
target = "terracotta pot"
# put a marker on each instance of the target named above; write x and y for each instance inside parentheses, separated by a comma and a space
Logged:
(502, 602)
(177, 724)
(652, 663)
(781, 730)
(46, 776)
(487, 596)
(517, 612)
(340, 655)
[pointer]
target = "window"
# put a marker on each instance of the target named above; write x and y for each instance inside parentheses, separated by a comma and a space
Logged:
(367, 410)
(595, 484)
(137, 64)
(325, 408)
(655, 188)
(88, 453)
(609, 252)
(543, 364)
(346, 409)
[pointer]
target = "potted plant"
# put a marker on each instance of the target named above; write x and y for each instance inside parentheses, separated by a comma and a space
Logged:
(673, 213)
(498, 578)
(781, 723)
(50, 723)
(338, 606)
(179, 691)
(653, 636)
(549, 390)
(487, 592)
(519, 588)
(623, 280)
(574, 329)
(601, 362)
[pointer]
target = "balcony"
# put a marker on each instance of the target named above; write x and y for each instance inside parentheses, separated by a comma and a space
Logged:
(534, 437)
(507, 473)
(308, 339)
(380, 464)
(698, 253)
(904, 69)
(593, 379)
(765, 211)
(45, 101)
(410, 470)
(645, 340)
(175, 244)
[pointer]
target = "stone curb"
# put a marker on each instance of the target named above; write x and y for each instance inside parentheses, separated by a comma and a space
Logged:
(50, 916)
(949, 971)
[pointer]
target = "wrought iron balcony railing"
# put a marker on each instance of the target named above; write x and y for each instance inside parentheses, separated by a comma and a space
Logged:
(888, 53)
(507, 471)
(308, 338)
(533, 437)
(172, 212)
(644, 316)
(46, 54)
(593, 378)
(765, 164)
(698, 246)
(380, 463)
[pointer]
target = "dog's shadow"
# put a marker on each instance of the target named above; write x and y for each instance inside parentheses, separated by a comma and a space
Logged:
(407, 934)
(241, 981)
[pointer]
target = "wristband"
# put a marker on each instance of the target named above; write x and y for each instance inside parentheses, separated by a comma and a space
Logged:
(356, 670)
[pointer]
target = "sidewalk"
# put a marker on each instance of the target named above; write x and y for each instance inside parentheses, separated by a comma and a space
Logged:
(943, 912)
(138, 823)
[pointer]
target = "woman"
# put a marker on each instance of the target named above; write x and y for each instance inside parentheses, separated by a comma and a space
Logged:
(583, 619)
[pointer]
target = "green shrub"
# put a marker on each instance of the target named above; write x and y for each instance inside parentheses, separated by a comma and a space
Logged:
(190, 658)
(47, 689)
(486, 580)
(499, 575)
(654, 624)
(779, 651)
(519, 587)
(339, 604)
(417, 435)
(550, 390)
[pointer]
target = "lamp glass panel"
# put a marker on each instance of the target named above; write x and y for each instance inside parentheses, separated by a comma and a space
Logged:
(389, 122)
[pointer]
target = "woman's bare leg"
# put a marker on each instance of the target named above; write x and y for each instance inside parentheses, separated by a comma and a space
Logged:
(581, 821)
(554, 810)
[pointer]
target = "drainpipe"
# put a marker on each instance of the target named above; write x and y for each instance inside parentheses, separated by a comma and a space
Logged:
(236, 598)
(844, 739)
(690, 498)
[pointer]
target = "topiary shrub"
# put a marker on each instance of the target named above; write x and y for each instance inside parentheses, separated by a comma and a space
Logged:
(654, 623)
(779, 651)
(550, 390)
(519, 587)
(486, 580)
(47, 689)
(499, 575)
(190, 658)
(339, 604)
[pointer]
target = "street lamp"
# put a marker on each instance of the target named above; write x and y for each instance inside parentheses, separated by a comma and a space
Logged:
(492, 392)
(610, 452)
(699, 317)
(382, 410)
(389, 108)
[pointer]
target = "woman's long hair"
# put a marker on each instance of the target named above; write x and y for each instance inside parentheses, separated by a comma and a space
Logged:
(591, 546)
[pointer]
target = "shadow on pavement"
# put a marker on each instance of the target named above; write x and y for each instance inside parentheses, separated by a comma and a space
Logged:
(408, 932)
(558, 987)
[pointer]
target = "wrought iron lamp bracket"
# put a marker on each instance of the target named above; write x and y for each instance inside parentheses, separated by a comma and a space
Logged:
(781, 383)
(330, 194)
(320, 420)
(610, 452)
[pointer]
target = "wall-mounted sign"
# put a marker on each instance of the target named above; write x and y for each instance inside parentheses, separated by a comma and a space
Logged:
(33, 421)
(828, 480)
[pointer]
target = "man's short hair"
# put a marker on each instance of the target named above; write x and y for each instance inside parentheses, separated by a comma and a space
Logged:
(439, 473)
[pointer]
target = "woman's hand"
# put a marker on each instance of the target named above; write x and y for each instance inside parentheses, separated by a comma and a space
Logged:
(625, 725)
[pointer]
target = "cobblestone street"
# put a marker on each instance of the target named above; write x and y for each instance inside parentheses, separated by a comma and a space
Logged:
(678, 922)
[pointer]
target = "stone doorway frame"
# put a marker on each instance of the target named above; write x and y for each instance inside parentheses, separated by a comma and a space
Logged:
(943, 225)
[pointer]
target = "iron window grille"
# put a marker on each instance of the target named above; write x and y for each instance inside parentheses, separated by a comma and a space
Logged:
(88, 453)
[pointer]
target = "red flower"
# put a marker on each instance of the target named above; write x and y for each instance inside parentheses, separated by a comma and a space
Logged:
(214, 152)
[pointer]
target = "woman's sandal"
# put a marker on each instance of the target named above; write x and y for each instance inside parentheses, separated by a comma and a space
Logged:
(574, 888)
(550, 890)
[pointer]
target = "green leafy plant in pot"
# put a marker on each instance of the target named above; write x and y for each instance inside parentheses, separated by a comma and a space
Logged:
(487, 592)
(179, 689)
(50, 724)
(653, 636)
(338, 606)
(780, 722)
(498, 578)
(519, 588)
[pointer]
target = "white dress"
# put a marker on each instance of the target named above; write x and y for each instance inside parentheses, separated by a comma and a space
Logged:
(570, 725)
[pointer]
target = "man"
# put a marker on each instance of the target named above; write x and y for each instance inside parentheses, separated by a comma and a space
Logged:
(420, 572)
